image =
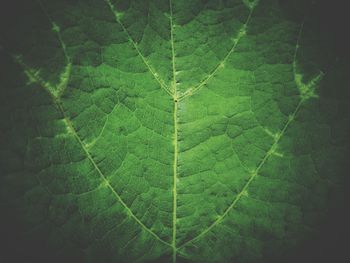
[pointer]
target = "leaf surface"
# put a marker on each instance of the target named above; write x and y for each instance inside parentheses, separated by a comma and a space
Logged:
(199, 131)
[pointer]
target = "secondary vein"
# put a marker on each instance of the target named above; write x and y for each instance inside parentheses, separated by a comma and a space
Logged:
(273, 147)
(133, 43)
(241, 33)
(64, 77)
(254, 174)
(104, 179)
(56, 100)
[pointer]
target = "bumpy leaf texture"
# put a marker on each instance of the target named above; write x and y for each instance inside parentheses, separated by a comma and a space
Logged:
(169, 131)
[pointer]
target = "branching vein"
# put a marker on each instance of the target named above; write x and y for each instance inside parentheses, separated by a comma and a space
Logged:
(64, 77)
(134, 44)
(306, 91)
(220, 65)
(310, 87)
(57, 102)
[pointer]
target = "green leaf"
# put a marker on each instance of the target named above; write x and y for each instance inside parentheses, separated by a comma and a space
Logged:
(172, 131)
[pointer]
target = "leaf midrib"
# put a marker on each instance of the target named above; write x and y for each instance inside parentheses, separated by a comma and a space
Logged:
(176, 141)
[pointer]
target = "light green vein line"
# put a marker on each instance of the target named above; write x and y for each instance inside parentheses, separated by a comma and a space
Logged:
(105, 180)
(306, 90)
(153, 72)
(176, 150)
(296, 49)
(172, 48)
(71, 128)
(272, 149)
(56, 29)
(64, 77)
(175, 142)
(253, 176)
(91, 144)
(220, 65)
(33, 76)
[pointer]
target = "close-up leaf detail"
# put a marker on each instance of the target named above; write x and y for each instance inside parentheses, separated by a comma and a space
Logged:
(170, 130)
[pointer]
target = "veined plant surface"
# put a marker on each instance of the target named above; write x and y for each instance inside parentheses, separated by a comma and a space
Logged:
(171, 131)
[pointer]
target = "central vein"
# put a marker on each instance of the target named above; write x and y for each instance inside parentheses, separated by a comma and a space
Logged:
(175, 142)
(174, 181)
